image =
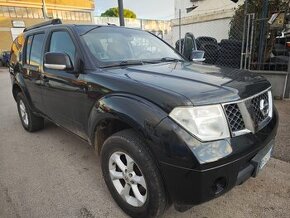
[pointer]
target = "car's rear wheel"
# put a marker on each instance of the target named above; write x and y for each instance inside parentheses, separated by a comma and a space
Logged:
(131, 175)
(30, 122)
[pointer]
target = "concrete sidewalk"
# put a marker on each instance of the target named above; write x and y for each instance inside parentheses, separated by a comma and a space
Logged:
(282, 150)
(53, 174)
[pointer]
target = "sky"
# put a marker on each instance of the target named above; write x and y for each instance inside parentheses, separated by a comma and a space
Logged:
(147, 9)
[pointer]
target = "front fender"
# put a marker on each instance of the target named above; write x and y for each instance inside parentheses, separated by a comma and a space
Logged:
(138, 113)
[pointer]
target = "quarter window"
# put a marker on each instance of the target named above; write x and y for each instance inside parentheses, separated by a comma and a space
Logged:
(61, 42)
(36, 49)
(28, 49)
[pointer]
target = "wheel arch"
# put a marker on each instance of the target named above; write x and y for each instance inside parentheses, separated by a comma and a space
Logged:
(15, 90)
(19, 86)
(118, 112)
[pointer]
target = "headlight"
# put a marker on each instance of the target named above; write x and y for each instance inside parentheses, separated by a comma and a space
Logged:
(207, 123)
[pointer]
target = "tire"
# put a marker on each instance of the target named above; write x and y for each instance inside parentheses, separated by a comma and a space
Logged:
(30, 122)
(127, 144)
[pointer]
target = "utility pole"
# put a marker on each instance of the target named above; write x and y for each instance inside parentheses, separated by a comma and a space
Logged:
(188, 10)
(44, 10)
(179, 30)
(121, 12)
(243, 57)
(262, 38)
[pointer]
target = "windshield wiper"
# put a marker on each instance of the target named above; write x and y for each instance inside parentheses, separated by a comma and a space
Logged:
(125, 63)
(165, 59)
(142, 62)
(169, 59)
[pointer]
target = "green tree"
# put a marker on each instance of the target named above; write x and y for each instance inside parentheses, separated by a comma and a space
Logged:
(114, 12)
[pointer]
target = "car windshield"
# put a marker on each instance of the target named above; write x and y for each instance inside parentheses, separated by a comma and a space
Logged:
(113, 46)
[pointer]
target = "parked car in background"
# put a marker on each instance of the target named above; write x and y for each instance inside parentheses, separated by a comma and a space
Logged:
(168, 130)
(5, 58)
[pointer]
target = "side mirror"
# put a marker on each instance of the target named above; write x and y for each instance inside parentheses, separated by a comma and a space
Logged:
(197, 55)
(57, 61)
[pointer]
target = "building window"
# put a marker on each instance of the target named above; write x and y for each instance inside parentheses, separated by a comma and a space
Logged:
(49, 13)
(80, 16)
(63, 15)
(77, 15)
(30, 12)
(11, 12)
(54, 14)
(18, 12)
(40, 12)
(1, 12)
(68, 15)
(5, 11)
(73, 17)
(35, 13)
(88, 15)
(22, 12)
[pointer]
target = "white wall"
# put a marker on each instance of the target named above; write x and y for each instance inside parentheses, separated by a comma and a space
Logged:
(204, 6)
(210, 18)
(15, 32)
(132, 23)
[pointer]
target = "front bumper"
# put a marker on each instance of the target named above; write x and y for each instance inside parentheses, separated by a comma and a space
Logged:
(190, 182)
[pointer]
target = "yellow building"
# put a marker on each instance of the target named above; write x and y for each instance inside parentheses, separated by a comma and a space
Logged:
(15, 15)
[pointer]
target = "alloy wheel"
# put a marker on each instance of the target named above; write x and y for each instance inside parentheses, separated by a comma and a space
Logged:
(23, 113)
(128, 179)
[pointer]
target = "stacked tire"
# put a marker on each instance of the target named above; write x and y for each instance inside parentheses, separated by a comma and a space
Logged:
(211, 48)
(229, 53)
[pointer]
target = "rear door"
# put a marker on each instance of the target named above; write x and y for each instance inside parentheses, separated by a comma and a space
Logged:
(32, 68)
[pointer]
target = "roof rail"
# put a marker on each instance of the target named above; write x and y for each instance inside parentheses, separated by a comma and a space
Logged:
(46, 23)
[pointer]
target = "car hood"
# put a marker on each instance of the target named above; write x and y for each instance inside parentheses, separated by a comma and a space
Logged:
(200, 83)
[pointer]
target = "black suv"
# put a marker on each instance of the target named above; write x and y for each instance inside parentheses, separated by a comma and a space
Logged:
(168, 130)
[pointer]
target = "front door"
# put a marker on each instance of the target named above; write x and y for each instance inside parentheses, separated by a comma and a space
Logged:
(64, 91)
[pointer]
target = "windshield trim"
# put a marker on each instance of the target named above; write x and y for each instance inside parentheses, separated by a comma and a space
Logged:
(141, 62)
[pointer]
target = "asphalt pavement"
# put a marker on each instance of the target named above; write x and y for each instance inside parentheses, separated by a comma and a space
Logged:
(51, 173)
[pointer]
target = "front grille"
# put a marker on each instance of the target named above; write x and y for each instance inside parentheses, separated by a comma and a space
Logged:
(259, 109)
(260, 114)
(235, 117)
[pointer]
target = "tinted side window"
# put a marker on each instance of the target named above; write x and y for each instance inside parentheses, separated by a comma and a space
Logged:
(62, 42)
(36, 49)
(28, 49)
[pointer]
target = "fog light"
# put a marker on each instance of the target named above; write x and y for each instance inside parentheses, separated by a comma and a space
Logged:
(219, 185)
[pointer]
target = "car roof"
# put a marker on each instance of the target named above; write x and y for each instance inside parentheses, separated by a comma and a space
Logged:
(56, 23)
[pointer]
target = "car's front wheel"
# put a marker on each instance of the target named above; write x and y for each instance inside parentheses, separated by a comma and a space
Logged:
(131, 175)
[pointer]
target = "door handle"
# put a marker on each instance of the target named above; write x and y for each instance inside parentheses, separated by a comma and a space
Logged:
(45, 79)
